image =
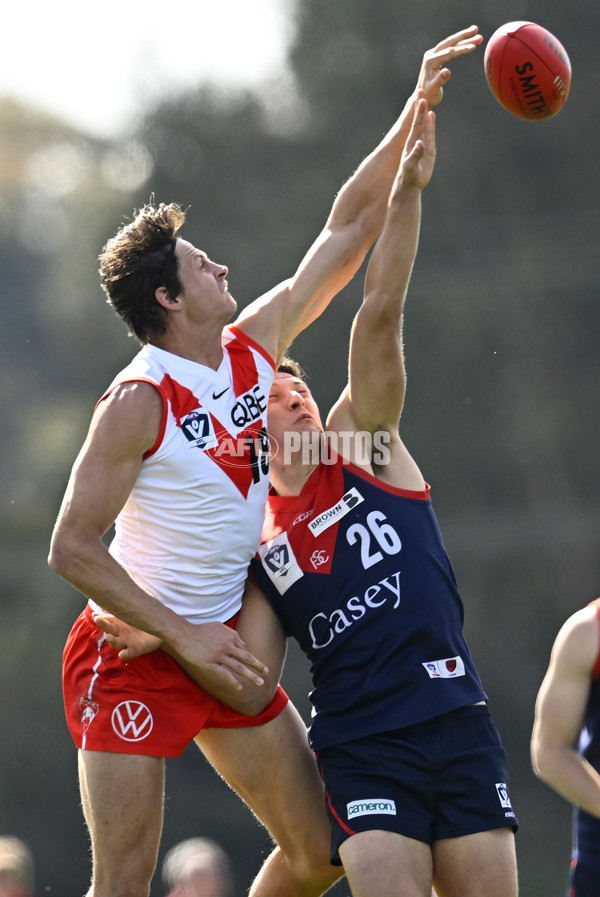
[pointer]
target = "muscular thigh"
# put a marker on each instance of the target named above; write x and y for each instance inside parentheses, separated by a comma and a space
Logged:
(122, 797)
(479, 865)
(376, 862)
(273, 769)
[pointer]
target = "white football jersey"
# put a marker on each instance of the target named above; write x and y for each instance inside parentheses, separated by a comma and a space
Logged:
(193, 519)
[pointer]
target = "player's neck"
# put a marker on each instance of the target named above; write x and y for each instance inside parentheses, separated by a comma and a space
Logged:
(290, 479)
(203, 346)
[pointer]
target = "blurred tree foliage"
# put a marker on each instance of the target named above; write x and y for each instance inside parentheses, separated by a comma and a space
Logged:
(501, 331)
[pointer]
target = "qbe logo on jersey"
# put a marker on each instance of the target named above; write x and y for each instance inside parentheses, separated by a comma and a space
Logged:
(280, 563)
(132, 721)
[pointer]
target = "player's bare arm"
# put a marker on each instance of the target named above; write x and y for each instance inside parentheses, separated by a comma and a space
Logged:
(559, 713)
(261, 632)
(355, 221)
(373, 398)
(124, 427)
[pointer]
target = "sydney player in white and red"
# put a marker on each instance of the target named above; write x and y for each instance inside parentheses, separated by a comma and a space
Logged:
(174, 458)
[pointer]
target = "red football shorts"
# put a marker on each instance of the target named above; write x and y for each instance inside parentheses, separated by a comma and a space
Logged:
(146, 706)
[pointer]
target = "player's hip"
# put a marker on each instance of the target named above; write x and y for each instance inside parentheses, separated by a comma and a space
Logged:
(146, 706)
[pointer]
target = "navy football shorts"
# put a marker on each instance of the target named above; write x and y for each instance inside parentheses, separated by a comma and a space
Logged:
(443, 778)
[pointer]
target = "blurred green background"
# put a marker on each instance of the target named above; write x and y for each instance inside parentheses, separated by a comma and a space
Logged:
(502, 327)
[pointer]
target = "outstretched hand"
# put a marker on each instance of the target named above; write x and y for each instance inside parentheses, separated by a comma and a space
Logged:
(418, 158)
(434, 74)
(212, 654)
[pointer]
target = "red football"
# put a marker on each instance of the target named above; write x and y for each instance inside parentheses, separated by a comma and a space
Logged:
(528, 70)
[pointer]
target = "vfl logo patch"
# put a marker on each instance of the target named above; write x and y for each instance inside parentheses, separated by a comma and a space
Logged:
(198, 430)
(502, 789)
(449, 668)
(373, 806)
(132, 721)
(337, 511)
(280, 563)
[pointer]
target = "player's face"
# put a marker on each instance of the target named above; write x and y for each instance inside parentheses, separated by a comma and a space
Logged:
(204, 283)
(292, 408)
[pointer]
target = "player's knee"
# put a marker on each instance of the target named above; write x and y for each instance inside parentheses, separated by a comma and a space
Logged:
(311, 866)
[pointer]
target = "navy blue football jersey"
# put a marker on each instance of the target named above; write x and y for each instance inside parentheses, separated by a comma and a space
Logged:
(357, 573)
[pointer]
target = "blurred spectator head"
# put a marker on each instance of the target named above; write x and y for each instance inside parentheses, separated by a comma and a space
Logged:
(16, 868)
(197, 867)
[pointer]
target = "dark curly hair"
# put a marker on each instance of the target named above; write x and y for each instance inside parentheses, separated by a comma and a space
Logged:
(136, 261)
(287, 365)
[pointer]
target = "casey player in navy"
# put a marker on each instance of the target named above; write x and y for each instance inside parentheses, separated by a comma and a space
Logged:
(353, 566)
(565, 743)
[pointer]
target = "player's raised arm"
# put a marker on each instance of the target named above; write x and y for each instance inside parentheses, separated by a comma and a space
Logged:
(373, 398)
(355, 221)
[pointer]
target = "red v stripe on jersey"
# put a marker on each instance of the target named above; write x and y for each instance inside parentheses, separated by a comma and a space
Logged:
(182, 399)
(323, 490)
(235, 455)
(238, 456)
(243, 367)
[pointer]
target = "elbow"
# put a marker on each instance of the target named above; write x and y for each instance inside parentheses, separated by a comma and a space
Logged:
(253, 704)
(534, 756)
(546, 774)
(357, 237)
(57, 556)
(252, 701)
(541, 771)
(536, 766)
(62, 554)
(366, 230)
(542, 762)
(253, 708)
